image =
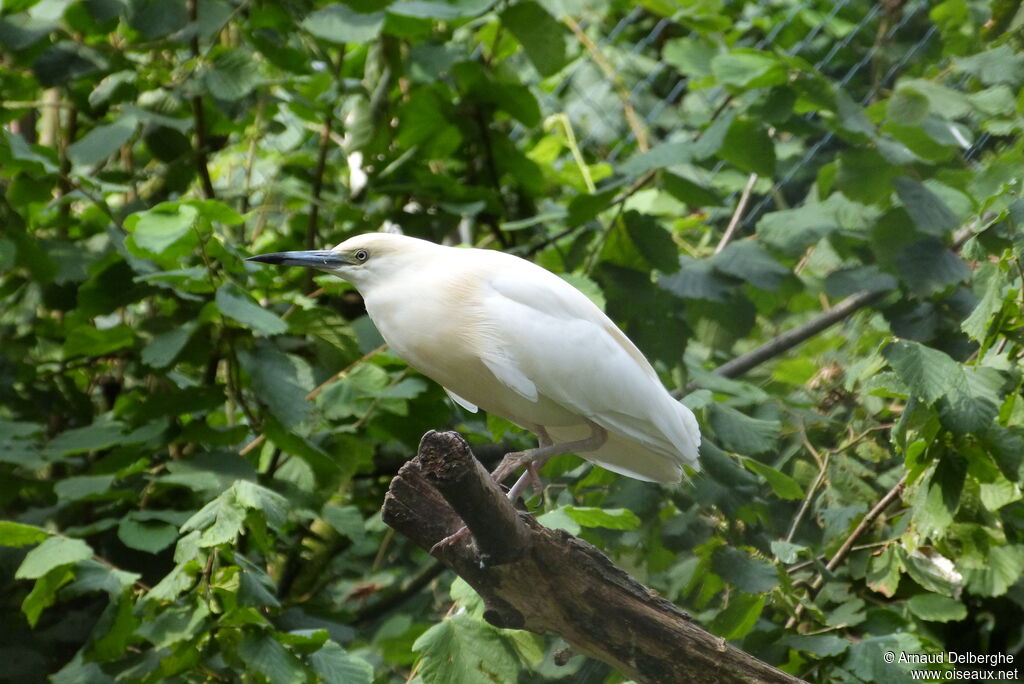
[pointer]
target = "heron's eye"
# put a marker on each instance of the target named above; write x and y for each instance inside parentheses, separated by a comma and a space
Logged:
(361, 255)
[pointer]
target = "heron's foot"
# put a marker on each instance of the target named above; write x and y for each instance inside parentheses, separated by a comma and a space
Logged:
(512, 462)
(534, 459)
(461, 533)
(530, 477)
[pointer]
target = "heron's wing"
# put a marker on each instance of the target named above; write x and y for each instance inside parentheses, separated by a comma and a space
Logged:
(546, 338)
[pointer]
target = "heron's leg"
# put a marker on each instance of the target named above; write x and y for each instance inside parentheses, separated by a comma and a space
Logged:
(532, 473)
(534, 459)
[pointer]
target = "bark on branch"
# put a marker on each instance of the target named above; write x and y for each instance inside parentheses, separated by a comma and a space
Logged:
(548, 581)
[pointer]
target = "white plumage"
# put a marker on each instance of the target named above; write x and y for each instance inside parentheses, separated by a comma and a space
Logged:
(502, 334)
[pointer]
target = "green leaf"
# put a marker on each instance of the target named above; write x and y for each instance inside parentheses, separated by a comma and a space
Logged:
(93, 576)
(865, 175)
(691, 55)
(558, 519)
(739, 617)
(749, 261)
(157, 18)
(711, 139)
(65, 62)
(792, 230)
(740, 433)
(266, 655)
(101, 434)
(340, 24)
(971, 406)
(884, 572)
(86, 340)
(328, 325)
(18, 534)
(333, 664)
(237, 306)
(232, 74)
(541, 36)
(652, 241)
(821, 645)
(281, 382)
(322, 464)
(176, 624)
(583, 208)
(748, 68)
(175, 582)
(783, 485)
(137, 530)
(215, 210)
(658, 157)
(115, 628)
(101, 142)
(79, 487)
(748, 146)
(164, 225)
(933, 571)
(690, 186)
(937, 608)
(751, 575)
(438, 9)
(847, 281)
(998, 65)
(929, 213)
(908, 106)
(696, 280)
(44, 593)
(353, 392)
(928, 373)
(54, 552)
(221, 520)
(851, 115)
(163, 348)
(786, 552)
(464, 650)
(983, 316)
(347, 520)
(1003, 568)
(928, 267)
(610, 518)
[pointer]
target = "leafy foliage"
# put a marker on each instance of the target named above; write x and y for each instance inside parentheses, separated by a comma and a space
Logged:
(193, 450)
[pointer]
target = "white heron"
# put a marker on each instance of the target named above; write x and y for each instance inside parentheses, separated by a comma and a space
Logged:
(502, 334)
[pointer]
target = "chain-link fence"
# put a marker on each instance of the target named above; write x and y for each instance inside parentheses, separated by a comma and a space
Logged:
(623, 88)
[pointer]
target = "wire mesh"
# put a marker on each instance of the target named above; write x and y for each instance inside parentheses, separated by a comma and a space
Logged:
(862, 46)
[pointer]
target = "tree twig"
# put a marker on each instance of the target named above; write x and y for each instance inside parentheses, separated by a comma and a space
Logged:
(839, 555)
(609, 71)
(737, 214)
(789, 339)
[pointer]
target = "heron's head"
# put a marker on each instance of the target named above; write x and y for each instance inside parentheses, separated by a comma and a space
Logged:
(362, 260)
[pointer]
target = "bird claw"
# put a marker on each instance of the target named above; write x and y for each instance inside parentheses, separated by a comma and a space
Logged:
(461, 533)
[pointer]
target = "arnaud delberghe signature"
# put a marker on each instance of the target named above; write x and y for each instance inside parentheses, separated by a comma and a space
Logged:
(957, 658)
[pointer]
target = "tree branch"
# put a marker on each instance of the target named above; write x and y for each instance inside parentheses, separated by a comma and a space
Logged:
(789, 339)
(801, 333)
(836, 559)
(548, 581)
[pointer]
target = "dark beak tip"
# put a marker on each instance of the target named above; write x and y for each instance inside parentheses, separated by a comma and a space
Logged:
(309, 259)
(275, 258)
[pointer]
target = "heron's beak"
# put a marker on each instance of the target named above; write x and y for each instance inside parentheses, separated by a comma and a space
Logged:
(321, 258)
